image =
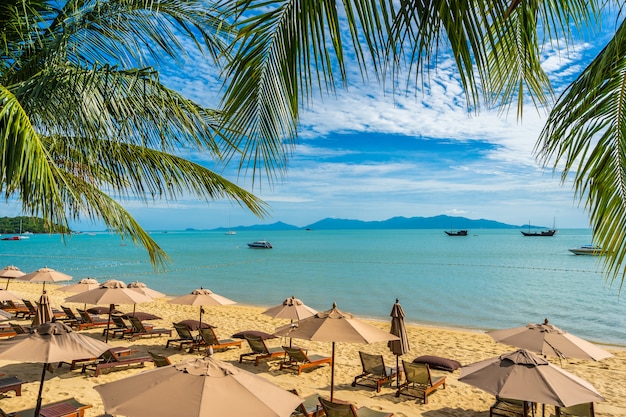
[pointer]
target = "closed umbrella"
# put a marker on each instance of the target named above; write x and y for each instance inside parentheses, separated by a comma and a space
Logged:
(334, 326)
(401, 346)
(10, 272)
(548, 339)
(44, 311)
(521, 375)
(45, 275)
(110, 292)
(202, 297)
(50, 343)
(199, 387)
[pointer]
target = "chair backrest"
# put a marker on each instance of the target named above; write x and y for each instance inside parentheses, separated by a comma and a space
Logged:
(374, 364)
(119, 322)
(85, 316)
(183, 331)
(333, 409)
(209, 336)
(69, 313)
(515, 407)
(137, 325)
(29, 305)
(418, 373)
(296, 354)
(578, 410)
(108, 356)
(160, 360)
(257, 344)
(17, 328)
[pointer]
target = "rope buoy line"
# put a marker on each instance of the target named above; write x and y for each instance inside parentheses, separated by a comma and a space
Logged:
(117, 264)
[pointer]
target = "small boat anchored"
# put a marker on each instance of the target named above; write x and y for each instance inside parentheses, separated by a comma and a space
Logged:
(456, 233)
(260, 244)
(587, 250)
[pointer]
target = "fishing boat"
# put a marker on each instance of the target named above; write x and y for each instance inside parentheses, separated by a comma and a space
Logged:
(587, 250)
(456, 232)
(260, 244)
(549, 232)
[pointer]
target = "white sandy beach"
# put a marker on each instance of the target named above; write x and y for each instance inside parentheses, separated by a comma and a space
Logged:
(458, 399)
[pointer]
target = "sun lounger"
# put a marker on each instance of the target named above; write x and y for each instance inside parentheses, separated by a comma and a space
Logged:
(19, 310)
(211, 340)
(260, 351)
(110, 360)
(418, 381)
(117, 351)
(19, 329)
(66, 408)
(139, 330)
(72, 319)
(375, 373)
(121, 327)
(298, 360)
(185, 337)
(339, 408)
(159, 360)
(505, 407)
(11, 383)
(88, 321)
(7, 331)
(579, 410)
(310, 406)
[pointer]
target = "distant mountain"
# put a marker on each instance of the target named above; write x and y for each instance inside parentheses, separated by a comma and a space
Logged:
(436, 222)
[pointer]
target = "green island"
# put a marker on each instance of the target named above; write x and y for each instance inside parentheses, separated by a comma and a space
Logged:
(23, 224)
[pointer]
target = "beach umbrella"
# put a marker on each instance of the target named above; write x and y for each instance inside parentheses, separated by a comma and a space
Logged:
(143, 289)
(202, 297)
(10, 272)
(334, 326)
(200, 387)
(50, 343)
(45, 275)
(292, 309)
(521, 375)
(401, 346)
(6, 295)
(44, 311)
(548, 339)
(83, 285)
(111, 292)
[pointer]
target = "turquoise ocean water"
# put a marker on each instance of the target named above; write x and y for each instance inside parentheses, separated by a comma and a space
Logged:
(490, 279)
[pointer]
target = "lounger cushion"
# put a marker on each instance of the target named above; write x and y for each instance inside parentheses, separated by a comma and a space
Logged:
(435, 362)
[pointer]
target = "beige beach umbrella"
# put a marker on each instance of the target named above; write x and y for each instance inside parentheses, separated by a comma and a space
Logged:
(523, 376)
(44, 311)
(45, 275)
(50, 343)
(143, 289)
(197, 387)
(6, 295)
(291, 308)
(83, 285)
(548, 339)
(10, 272)
(334, 326)
(202, 297)
(401, 346)
(111, 292)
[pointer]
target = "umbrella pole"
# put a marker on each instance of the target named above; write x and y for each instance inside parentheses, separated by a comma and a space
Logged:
(332, 375)
(398, 371)
(7, 287)
(106, 339)
(200, 321)
(43, 377)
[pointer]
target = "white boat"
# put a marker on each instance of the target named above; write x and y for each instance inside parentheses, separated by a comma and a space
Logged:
(260, 244)
(587, 250)
(230, 232)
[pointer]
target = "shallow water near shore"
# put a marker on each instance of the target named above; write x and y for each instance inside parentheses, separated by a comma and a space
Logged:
(490, 279)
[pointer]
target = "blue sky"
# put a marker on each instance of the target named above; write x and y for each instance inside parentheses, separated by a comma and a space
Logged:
(369, 154)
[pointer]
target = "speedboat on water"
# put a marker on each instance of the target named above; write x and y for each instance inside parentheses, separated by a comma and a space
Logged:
(260, 244)
(587, 250)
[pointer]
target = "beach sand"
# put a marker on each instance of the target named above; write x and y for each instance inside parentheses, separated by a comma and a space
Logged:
(458, 399)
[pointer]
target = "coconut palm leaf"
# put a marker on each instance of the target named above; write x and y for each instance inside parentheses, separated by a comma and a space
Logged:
(585, 137)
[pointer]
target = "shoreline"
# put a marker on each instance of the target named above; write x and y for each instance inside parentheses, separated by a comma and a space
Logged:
(456, 400)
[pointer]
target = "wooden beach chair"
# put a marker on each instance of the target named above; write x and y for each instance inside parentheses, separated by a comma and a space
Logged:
(418, 382)
(260, 350)
(159, 360)
(185, 337)
(139, 330)
(298, 360)
(375, 374)
(579, 410)
(109, 359)
(506, 407)
(88, 321)
(19, 310)
(310, 406)
(338, 408)
(69, 407)
(121, 327)
(211, 340)
(7, 331)
(11, 383)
